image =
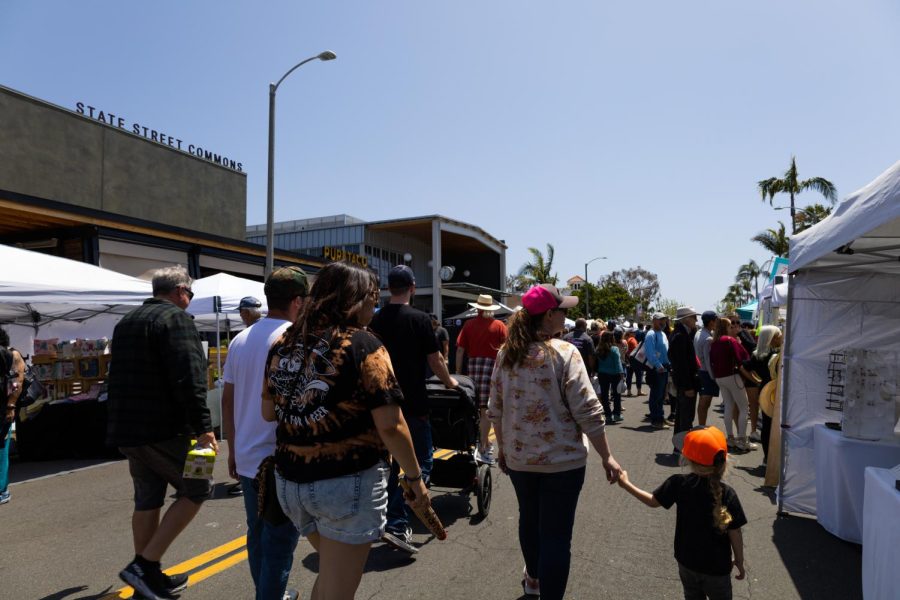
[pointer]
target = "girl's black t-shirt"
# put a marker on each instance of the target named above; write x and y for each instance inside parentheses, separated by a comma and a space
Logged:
(699, 545)
(323, 404)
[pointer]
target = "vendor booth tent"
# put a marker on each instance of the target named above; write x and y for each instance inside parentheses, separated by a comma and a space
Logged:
(844, 290)
(220, 294)
(48, 296)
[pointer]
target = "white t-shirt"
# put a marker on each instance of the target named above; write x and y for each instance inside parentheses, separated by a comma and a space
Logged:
(254, 437)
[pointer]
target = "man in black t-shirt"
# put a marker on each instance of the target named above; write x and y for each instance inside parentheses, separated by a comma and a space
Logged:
(579, 338)
(411, 343)
(442, 337)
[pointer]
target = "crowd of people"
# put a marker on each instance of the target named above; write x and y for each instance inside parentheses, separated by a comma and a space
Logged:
(325, 411)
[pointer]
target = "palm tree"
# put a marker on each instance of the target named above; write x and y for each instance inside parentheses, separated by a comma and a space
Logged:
(790, 184)
(736, 293)
(750, 272)
(774, 240)
(538, 270)
(810, 215)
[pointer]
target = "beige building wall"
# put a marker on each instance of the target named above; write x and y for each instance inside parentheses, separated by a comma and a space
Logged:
(55, 154)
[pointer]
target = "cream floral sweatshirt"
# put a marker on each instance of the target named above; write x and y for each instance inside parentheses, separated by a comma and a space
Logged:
(544, 407)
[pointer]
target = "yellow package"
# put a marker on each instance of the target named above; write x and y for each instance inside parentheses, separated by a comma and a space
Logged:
(199, 463)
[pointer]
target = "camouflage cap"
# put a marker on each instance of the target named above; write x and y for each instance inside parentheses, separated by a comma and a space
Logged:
(286, 283)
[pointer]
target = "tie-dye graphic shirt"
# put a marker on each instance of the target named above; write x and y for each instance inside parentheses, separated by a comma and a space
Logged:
(323, 404)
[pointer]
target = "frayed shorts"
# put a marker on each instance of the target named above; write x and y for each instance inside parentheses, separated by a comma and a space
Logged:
(350, 509)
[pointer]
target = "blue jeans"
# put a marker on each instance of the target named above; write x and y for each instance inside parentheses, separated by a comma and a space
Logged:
(398, 511)
(610, 382)
(270, 548)
(4, 461)
(657, 382)
(547, 504)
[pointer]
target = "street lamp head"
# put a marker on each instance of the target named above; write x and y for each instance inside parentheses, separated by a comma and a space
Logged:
(327, 55)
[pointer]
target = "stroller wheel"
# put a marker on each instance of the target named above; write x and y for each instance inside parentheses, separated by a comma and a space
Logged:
(483, 489)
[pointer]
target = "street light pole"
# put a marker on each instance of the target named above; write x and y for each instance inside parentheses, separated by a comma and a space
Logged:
(270, 196)
(587, 290)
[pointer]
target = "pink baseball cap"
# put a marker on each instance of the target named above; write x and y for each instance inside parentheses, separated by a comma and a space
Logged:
(541, 298)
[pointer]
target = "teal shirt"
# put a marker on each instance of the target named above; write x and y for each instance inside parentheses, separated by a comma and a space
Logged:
(612, 364)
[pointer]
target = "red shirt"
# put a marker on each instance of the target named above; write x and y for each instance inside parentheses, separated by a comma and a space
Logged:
(726, 354)
(482, 338)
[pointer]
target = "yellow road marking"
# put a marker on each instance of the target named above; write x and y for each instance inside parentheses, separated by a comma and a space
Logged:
(199, 560)
(226, 548)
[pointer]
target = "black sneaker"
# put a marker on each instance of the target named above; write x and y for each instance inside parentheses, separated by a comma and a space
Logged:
(175, 583)
(151, 584)
(400, 540)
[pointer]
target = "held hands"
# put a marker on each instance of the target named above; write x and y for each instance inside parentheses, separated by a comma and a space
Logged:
(623, 479)
(740, 568)
(208, 440)
(613, 470)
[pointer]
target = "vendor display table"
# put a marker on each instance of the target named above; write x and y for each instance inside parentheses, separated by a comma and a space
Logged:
(840, 479)
(881, 533)
(65, 430)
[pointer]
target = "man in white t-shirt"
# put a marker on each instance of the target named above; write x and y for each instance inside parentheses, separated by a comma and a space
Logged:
(270, 547)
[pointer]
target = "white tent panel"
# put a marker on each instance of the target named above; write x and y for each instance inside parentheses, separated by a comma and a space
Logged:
(868, 221)
(829, 311)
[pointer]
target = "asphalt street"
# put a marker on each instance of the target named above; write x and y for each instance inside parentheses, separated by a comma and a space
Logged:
(66, 535)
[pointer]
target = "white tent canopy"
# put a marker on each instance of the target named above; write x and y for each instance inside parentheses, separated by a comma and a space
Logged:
(230, 290)
(49, 296)
(843, 290)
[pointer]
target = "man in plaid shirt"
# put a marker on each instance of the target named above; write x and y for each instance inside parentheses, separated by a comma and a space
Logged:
(479, 341)
(157, 403)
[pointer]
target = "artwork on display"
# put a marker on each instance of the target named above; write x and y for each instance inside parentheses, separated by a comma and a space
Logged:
(870, 404)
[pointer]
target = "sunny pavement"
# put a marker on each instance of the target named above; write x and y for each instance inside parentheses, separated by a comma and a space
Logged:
(65, 537)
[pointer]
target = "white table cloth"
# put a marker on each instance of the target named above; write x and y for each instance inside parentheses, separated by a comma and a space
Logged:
(840, 479)
(881, 535)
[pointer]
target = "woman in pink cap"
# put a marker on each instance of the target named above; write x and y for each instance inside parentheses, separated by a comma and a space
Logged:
(542, 404)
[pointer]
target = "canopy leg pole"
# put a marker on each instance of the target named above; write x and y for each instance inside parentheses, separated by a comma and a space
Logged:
(785, 388)
(218, 380)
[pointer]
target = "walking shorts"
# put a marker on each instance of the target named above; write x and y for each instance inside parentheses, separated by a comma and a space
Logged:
(154, 466)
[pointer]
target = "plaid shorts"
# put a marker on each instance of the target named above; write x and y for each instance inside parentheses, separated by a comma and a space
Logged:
(480, 370)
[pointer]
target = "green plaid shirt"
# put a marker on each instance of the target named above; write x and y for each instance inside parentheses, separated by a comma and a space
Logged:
(157, 377)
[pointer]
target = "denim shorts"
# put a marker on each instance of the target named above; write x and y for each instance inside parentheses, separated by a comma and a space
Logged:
(708, 385)
(349, 509)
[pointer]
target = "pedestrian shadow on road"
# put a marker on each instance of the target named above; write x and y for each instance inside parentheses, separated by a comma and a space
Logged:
(646, 428)
(69, 594)
(668, 459)
(760, 472)
(832, 570)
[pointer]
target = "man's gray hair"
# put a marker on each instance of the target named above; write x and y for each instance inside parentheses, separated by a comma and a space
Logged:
(165, 280)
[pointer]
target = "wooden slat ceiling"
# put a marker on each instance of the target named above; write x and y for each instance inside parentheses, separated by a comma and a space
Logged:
(22, 220)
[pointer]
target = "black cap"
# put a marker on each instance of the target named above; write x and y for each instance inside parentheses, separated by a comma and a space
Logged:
(708, 317)
(400, 277)
(249, 302)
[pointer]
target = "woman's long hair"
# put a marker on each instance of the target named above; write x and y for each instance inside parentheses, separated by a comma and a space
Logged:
(607, 341)
(523, 329)
(335, 299)
(714, 474)
(764, 343)
(722, 328)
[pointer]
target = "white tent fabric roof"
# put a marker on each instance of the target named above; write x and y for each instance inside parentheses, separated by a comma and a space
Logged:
(35, 285)
(227, 287)
(866, 226)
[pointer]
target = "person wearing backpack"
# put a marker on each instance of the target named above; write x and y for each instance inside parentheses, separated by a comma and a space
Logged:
(12, 377)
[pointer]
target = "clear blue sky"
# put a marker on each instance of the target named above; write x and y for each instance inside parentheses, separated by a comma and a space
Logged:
(636, 131)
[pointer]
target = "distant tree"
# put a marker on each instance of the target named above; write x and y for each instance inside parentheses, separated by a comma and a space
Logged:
(791, 184)
(810, 215)
(641, 284)
(608, 301)
(538, 270)
(668, 306)
(750, 272)
(775, 241)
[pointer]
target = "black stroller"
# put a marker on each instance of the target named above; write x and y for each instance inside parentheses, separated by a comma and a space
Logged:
(454, 431)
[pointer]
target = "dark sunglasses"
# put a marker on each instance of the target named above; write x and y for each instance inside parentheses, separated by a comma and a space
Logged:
(735, 322)
(187, 291)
